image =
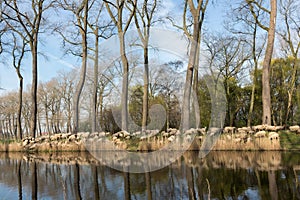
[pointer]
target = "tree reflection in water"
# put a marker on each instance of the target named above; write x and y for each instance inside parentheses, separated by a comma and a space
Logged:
(77, 182)
(148, 185)
(19, 177)
(34, 184)
(230, 175)
(95, 181)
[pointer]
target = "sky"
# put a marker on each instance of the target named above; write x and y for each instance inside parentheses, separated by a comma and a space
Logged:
(52, 60)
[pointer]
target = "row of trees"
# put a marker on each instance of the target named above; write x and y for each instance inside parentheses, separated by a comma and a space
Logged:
(234, 55)
(55, 113)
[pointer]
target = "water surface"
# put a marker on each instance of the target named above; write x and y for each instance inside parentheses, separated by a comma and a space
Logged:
(220, 175)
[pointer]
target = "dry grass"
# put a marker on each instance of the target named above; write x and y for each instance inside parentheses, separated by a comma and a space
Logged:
(254, 144)
(287, 141)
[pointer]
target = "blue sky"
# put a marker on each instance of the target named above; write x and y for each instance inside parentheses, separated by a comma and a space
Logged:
(53, 60)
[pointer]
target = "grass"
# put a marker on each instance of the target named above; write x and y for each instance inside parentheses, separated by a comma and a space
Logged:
(132, 144)
(7, 141)
(289, 140)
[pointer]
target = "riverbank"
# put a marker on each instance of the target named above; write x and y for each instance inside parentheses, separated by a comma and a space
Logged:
(262, 140)
(261, 160)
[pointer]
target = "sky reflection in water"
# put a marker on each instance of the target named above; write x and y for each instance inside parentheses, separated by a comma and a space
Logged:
(220, 175)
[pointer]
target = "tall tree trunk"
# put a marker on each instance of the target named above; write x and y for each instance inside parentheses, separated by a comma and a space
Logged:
(144, 34)
(95, 86)
(229, 110)
(58, 116)
(197, 62)
(78, 93)
(290, 96)
(124, 95)
(10, 124)
(47, 119)
(122, 28)
(19, 117)
(83, 32)
(14, 126)
(266, 96)
(69, 122)
(1, 129)
(189, 77)
(39, 125)
(146, 88)
(33, 119)
(168, 112)
(101, 108)
(249, 120)
(195, 84)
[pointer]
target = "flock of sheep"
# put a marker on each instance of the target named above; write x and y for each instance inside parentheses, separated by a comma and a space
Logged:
(160, 138)
(259, 131)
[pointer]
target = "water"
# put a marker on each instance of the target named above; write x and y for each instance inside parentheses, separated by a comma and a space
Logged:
(220, 175)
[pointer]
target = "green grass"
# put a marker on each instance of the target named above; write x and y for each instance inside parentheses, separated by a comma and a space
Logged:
(289, 140)
(132, 144)
(7, 141)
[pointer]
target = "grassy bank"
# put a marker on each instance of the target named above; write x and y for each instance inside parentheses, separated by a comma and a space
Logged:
(287, 141)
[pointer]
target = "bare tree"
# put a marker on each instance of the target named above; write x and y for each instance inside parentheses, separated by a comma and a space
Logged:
(228, 56)
(9, 112)
(100, 29)
(266, 96)
(192, 28)
(80, 11)
(163, 85)
(122, 27)
(26, 20)
(44, 102)
(15, 47)
(290, 36)
(18, 55)
(197, 11)
(83, 31)
(144, 16)
(67, 82)
(26, 112)
(249, 31)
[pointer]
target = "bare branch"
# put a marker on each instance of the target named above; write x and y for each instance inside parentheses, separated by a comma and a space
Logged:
(131, 14)
(107, 3)
(249, 2)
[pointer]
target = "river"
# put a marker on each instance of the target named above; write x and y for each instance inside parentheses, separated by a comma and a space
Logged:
(219, 175)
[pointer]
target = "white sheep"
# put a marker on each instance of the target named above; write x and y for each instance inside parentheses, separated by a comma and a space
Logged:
(271, 128)
(260, 134)
(244, 129)
(273, 136)
(294, 128)
(259, 127)
(229, 129)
